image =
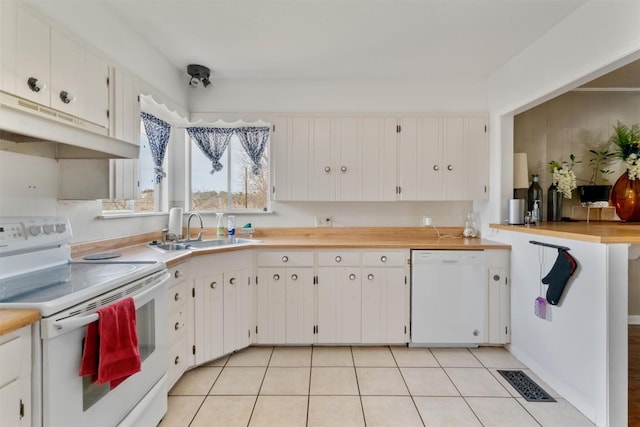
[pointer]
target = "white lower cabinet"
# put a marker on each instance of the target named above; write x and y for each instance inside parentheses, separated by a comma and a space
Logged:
(285, 297)
(363, 297)
(497, 310)
(15, 378)
(223, 304)
(179, 321)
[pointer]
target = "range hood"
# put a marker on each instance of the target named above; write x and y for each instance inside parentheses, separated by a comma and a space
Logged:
(29, 128)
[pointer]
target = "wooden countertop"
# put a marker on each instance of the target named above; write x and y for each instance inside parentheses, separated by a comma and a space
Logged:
(137, 248)
(593, 231)
(12, 320)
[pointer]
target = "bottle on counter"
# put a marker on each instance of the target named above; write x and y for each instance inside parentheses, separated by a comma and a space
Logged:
(535, 195)
(220, 227)
(535, 214)
(231, 227)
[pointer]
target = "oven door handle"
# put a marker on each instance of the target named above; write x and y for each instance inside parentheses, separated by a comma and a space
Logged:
(78, 322)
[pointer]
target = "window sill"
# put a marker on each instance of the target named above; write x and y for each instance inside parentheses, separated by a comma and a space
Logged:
(130, 214)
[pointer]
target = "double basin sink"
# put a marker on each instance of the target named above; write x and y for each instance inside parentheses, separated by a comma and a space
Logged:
(201, 244)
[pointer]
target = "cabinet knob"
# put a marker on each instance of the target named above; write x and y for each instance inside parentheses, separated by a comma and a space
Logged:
(449, 167)
(383, 258)
(66, 97)
(276, 277)
(327, 169)
(177, 326)
(232, 281)
(476, 332)
(343, 169)
(176, 297)
(285, 258)
(294, 277)
(35, 84)
(436, 168)
(176, 360)
(213, 285)
(496, 277)
(352, 276)
(338, 258)
(178, 274)
(370, 277)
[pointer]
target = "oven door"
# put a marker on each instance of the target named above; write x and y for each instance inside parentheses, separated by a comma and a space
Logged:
(71, 400)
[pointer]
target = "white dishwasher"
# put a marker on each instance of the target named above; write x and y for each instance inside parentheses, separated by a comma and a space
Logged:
(447, 298)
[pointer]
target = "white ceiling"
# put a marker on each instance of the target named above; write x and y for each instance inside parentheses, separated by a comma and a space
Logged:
(335, 39)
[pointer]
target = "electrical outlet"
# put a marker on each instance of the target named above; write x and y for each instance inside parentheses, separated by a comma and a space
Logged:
(323, 221)
(427, 221)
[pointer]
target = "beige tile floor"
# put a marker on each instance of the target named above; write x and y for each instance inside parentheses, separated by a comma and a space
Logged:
(361, 386)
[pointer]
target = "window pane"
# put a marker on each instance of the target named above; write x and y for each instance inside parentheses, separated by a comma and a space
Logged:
(208, 192)
(140, 170)
(233, 188)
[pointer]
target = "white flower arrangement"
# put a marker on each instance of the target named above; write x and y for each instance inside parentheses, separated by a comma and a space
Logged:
(633, 166)
(563, 176)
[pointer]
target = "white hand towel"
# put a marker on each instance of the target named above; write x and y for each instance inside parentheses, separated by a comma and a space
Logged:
(175, 221)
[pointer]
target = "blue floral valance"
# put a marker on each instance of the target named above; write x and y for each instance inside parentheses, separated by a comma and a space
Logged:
(213, 141)
(158, 132)
(254, 141)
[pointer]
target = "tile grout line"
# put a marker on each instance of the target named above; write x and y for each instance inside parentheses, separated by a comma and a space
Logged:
(309, 389)
(355, 372)
(206, 395)
(407, 386)
(260, 388)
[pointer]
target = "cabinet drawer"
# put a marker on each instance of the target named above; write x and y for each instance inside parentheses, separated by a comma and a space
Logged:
(285, 259)
(385, 258)
(178, 274)
(177, 360)
(338, 258)
(177, 296)
(177, 325)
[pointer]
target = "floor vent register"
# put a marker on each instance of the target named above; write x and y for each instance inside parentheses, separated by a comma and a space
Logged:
(528, 388)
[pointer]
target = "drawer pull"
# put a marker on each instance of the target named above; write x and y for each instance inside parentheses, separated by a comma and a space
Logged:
(327, 169)
(449, 167)
(177, 296)
(176, 360)
(383, 258)
(232, 281)
(370, 277)
(276, 277)
(352, 276)
(177, 326)
(178, 274)
(338, 258)
(436, 168)
(285, 258)
(213, 285)
(294, 277)
(343, 169)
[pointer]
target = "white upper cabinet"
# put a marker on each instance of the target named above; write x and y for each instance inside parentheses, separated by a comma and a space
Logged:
(33, 58)
(41, 63)
(443, 158)
(377, 138)
(125, 93)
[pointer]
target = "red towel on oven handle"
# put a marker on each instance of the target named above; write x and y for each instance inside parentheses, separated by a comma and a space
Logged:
(111, 351)
(119, 353)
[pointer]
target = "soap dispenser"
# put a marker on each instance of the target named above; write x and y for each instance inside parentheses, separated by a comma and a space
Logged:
(220, 228)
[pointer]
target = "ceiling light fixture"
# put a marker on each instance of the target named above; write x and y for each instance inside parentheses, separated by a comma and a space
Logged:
(199, 75)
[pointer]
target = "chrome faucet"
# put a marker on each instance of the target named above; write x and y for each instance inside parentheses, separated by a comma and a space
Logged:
(199, 237)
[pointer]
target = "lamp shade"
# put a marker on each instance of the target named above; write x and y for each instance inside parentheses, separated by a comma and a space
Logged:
(520, 171)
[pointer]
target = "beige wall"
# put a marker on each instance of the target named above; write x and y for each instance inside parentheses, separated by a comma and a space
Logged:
(574, 123)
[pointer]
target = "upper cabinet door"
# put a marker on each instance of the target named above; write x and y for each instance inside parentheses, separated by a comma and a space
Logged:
(420, 174)
(94, 71)
(33, 53)
(478, 153)
(8, 22)
(125, 108)
(64, 73)
(323, 169)
(349, 173)
(377, 138)
(298, 177)
(454, 160)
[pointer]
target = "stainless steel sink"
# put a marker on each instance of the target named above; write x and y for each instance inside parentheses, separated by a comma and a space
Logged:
(201, 244)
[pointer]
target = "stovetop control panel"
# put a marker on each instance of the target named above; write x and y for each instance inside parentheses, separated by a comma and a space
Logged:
(19, 234)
